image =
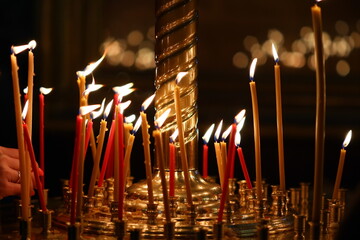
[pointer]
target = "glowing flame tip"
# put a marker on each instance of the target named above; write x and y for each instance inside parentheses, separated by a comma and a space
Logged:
(226, 133)
(147, 102)
(25, 110)
(174, 135)
(137, 124)
(87, 109)
(45, 91)
(160, 121)
(180, 76)
(275, 54)
(96, 114)
(237, 139)
(252, 69)
(108, 109)
(208, 133)
(218, 130)
(347, 139)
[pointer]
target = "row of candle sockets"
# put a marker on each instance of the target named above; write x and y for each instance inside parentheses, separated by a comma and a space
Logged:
(93, 87)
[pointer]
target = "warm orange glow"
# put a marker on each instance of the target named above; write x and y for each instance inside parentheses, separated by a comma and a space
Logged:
(91, 67)
(18, 49)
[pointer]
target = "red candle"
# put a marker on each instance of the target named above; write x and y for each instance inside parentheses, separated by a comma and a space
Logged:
(41, 136)
(206, 139)
(244, 168)
(108, 151)
(172, 152)
(74, 172)
(34, 168)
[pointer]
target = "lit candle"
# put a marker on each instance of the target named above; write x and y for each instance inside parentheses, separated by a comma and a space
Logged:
(242, 160)
(75, 166)
(218, 153)
(160, 159)
(320, 114)
(99, 147)
(341, 165)
(206, 138)
(256, 131)
(146, 145)
(172, 163)
(108, 151)
(129, 146)
(179, 123)
(279, 120)
(32, 45)
(79, 200)
(25, 187)
(223, 146)
(34, 165)
(128, 129)
(43, 91)
(231, 147)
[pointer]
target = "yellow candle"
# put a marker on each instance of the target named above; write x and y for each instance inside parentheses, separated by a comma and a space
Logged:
(95, 169)
(183, 155)
(160, 160)
(129, 146)
(341, 166)
(320, 114)
(146, 145)
(81, 84)
(25, 197)
(93, 144)
(256, 124)
(279, 121)
(30, 91)
(219, 162)
(223, 148)
(128, 127)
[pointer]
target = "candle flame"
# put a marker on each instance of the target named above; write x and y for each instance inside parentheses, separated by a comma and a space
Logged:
(240, 116)
(91, 67)
(87, 109)
(160, 121)
(347, 139)
(208, 133)
(25, 110)
(96, 114)
(45, 91)
(124, 106)
(180, 76)
(18, 49)
(218, 130)
(240, 124)
(118, 89)
(92, 87)
(174, 135)
(252, 69)
(237, 139)
(108, 109)
(226, 133)
(137, 125)
(26, 90)
(147, 102)
(130, 119)
(275, 54)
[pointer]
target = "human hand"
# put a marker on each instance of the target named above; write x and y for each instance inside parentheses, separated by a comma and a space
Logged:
(10, 173)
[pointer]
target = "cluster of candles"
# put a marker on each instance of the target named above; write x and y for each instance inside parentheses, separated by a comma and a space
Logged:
(116, 159)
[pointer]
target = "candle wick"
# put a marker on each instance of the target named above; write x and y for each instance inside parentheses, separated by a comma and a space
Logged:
(251, 79)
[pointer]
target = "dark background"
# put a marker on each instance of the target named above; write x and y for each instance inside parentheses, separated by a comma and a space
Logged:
(70, 34)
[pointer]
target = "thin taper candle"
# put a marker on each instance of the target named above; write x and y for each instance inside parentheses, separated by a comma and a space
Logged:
(279, 121)
(320, 114)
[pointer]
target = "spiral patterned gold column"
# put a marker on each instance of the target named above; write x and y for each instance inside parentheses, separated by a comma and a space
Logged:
(175, 51)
